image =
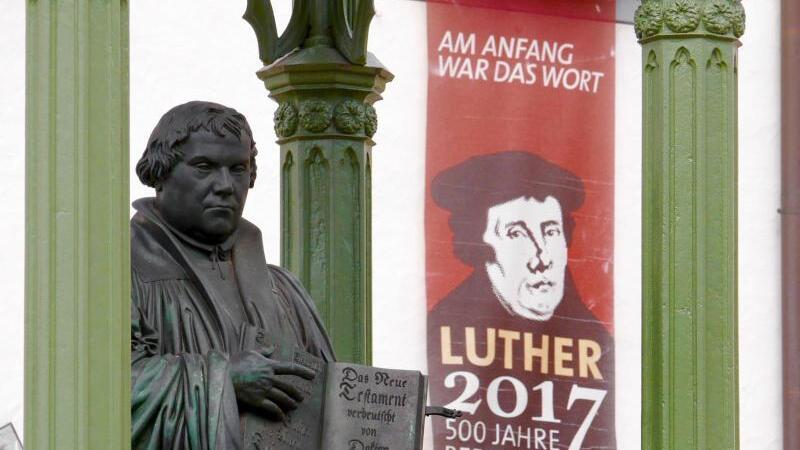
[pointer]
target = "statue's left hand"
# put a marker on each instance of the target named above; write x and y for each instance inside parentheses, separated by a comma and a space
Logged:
(259, 383)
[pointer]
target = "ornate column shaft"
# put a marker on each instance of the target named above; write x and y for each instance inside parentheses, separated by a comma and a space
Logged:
(77, 262)
(325, 122)
(689, 348)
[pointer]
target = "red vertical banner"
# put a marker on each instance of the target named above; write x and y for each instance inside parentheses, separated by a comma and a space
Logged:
(519, 228)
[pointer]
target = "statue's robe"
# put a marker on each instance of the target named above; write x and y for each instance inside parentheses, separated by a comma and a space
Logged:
(192, 306)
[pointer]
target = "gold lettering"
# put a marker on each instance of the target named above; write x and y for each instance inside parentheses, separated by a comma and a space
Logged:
(447, 349)
(508, 338)
(536, 352)
(589, 353)
(562, 356)
(472, 354)
(564, 359)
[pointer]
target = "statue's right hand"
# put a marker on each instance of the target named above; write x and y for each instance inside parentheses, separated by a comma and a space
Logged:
(258, 384)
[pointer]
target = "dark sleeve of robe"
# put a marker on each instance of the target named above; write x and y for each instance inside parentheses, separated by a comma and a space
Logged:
(180, 400)
(302, 314)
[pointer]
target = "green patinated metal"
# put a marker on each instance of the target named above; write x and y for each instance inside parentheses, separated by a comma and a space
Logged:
(689, 348)
(77, 286)
(325, 83)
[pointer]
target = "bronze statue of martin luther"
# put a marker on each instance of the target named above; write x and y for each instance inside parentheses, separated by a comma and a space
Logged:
(201, 288)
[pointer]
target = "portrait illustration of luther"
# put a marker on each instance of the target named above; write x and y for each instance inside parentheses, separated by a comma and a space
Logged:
(511, 218)
(519, 314)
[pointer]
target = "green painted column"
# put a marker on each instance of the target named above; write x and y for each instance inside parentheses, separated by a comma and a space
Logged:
(689, 347)
(77, 275)
(325, 83)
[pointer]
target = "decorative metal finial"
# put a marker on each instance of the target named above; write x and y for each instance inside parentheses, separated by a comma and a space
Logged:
(343, 24)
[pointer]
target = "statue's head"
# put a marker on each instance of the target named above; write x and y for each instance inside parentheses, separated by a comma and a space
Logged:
(511, 216)
(200, 159)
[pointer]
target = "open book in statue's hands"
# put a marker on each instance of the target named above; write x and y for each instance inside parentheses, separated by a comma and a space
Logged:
(345, 407)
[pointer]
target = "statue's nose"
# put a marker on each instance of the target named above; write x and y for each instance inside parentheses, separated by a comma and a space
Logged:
(223, 183)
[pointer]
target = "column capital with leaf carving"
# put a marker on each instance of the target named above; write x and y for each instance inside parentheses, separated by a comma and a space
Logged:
(718, 19)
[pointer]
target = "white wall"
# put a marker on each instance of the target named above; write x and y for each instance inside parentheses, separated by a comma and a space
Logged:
(627, 238)
(760, 391)
(201, 49)
(12, 189)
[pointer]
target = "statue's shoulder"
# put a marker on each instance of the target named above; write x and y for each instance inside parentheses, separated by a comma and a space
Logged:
(248, 231)
(284, 277)
(149, 259)
(289, 284)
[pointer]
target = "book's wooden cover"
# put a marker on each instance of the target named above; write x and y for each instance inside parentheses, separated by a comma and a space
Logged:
(347, 407)
(373, 408)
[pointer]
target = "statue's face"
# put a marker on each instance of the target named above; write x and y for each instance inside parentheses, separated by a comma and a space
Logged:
(204, 195)
(530, 255)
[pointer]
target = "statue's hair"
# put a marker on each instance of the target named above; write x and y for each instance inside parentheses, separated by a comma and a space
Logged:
(164, 151)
